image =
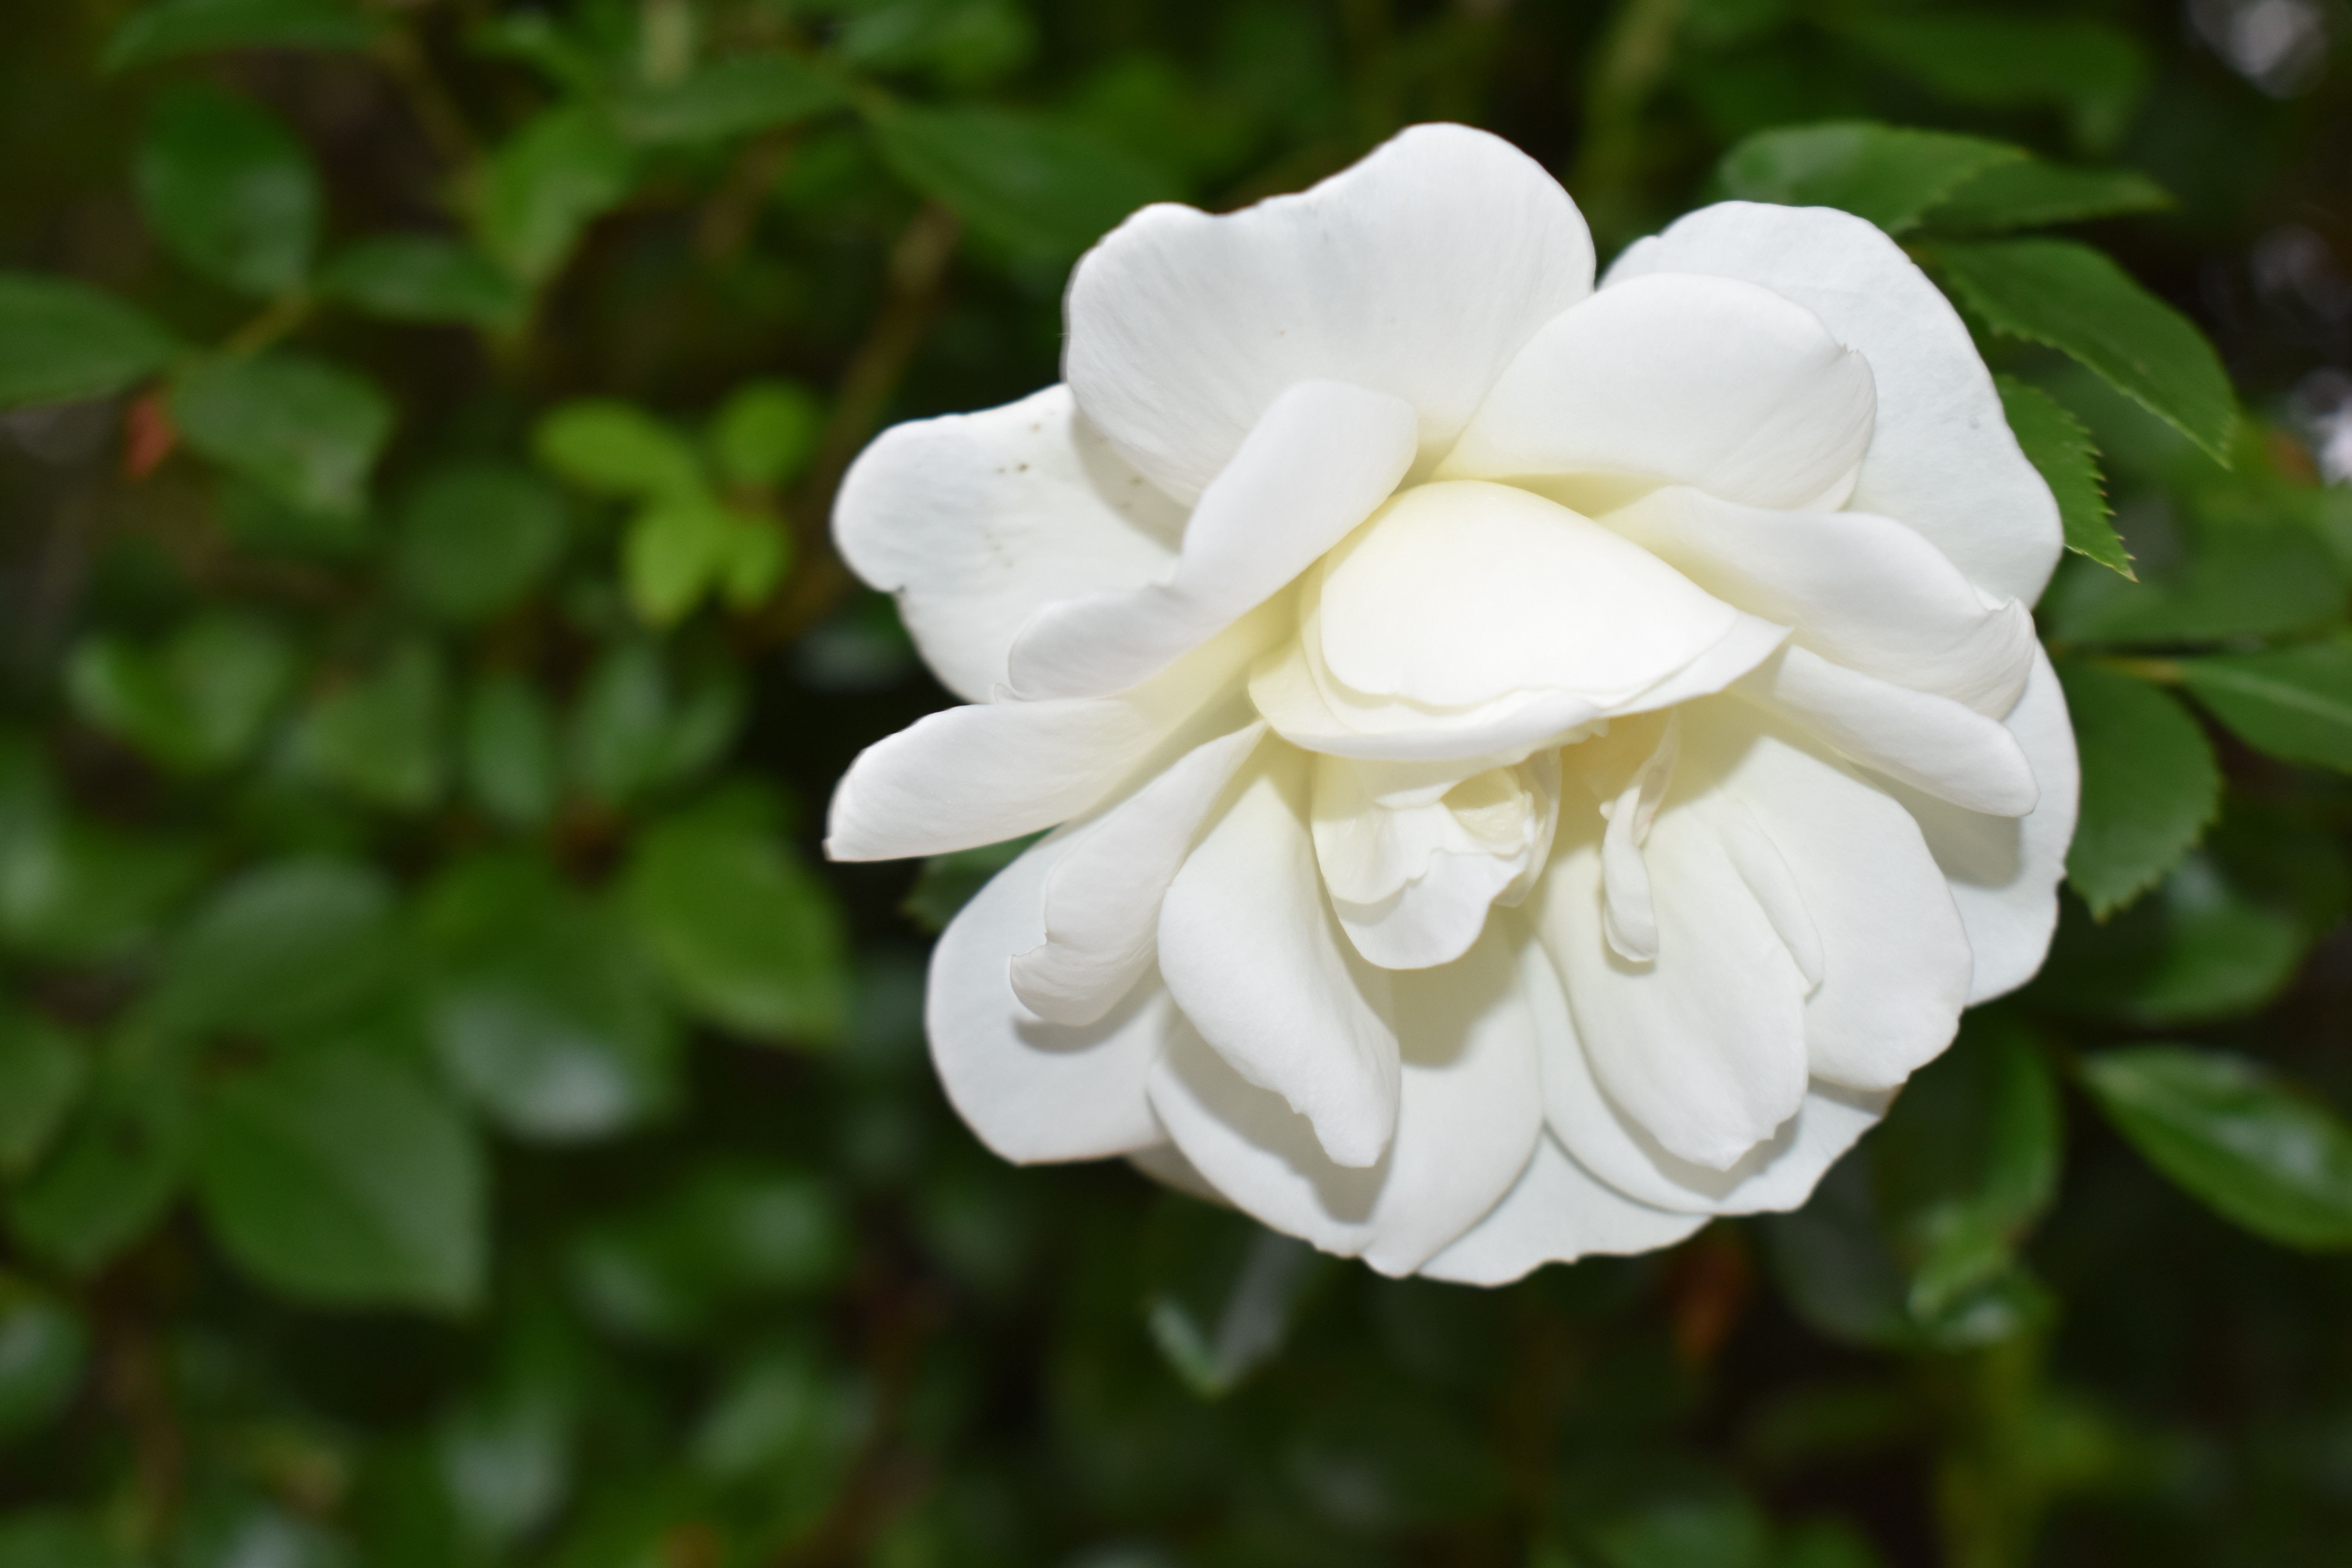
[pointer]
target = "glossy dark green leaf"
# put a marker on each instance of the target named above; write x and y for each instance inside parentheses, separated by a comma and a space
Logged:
(545, 185)
(382, 737)
(196, 704)
(1835, 1268)
(750, 938)
(507, 751)
(2295, 703)
(282, 948)
(2204, 946)
(306, 430)
(2238, 1136)
(539, 1009)
(61, 341)
(167, 28)
(44, 1348)
(475, 537)
(2074, 298)
(765, 433)
(337, 1175)
(2060, 448)
(1886, 174)
(424, 278)
(42, 1075)
(618, 449)
(2150, 784)
(229, 191)
(1032, 185)
(738, 95)
(2092, 68)
(2030, 193)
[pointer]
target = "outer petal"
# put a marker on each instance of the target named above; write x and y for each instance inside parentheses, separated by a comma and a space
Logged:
(1258, 964)
(1556, 1212)
(1102, 901)
(995, 771)
(1682, 380)
(1942, 458)
(1468, 1118)
(1324, 455)
(1705, 1045)
(1034, 1091)
(1860, 591)
(2004, 871)
(975, 520)
(1418, 272)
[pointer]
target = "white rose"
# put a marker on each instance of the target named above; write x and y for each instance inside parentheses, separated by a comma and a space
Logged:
(1536, 766)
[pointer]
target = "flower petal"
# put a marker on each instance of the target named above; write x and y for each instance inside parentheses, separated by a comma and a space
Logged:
(1034, 1091)
(1258, 964)
(975, 520)
(1324, 455)
(1102, 901)
(2004, 871)
(1942, 460)
(1931, 743)
(1682, 380)
(1860, 591)
(1556, 1213)
(1419, 272)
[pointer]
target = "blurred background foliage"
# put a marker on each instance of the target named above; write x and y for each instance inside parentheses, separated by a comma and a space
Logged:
(449, 1117)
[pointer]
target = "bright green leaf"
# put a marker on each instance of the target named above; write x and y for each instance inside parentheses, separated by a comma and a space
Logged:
(171, 28)
(1884, 173)
(2074, 298)
(2236, 1135)
(2030, 193)
(335, 1174)
(229, 191)
(306, 430)
(507, 751)
(2058, 446)
(424, 278)
(673, 553)
(2150, 784)
(617, 449)
(738, 95)
(544, 187)
(748, 936)
(383, 738)
(196, 704)
(61, 341)
(758, 553)
(42, 1075)
(282, 948)
(1034, 185)
(44, 1349)
(475, 537)
(2293, 702)
(764, 434)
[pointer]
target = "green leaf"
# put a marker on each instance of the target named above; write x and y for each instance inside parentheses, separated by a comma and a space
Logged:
(765, 433)
(2071, 298)
(383, 739)
(1034, 185)
(61, 341)
(737, 95)
(336, 1174)
(42, 1076)
(227, 1529)
(72, 889)
(2293, 702)
(2030, 194)
(229, 191)
(120, 1164)
(2150, 784)
(507, 751)
(1222, 1293)
(2058, 446)
(786, 1415)
(424, 278)
(542, 188)
(633, 727)
(750, 938)
(475, 537)
(2257, 579)
(618, 449)
(1882, 173)
(733, 1231)
(539, 1010)
(2236, 1135)
(758, 552)
(44, 1349)
(2204, 947)
(173, 27)
(307, 431)
(2095, 69)
(196, 705)
(283, 947)
(674, 552)
(949, 881)
(55, 1541)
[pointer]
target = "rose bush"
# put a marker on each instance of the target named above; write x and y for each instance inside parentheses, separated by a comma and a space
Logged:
(1533, 767)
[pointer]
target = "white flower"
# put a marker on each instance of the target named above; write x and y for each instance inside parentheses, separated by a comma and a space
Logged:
(1537, 767)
